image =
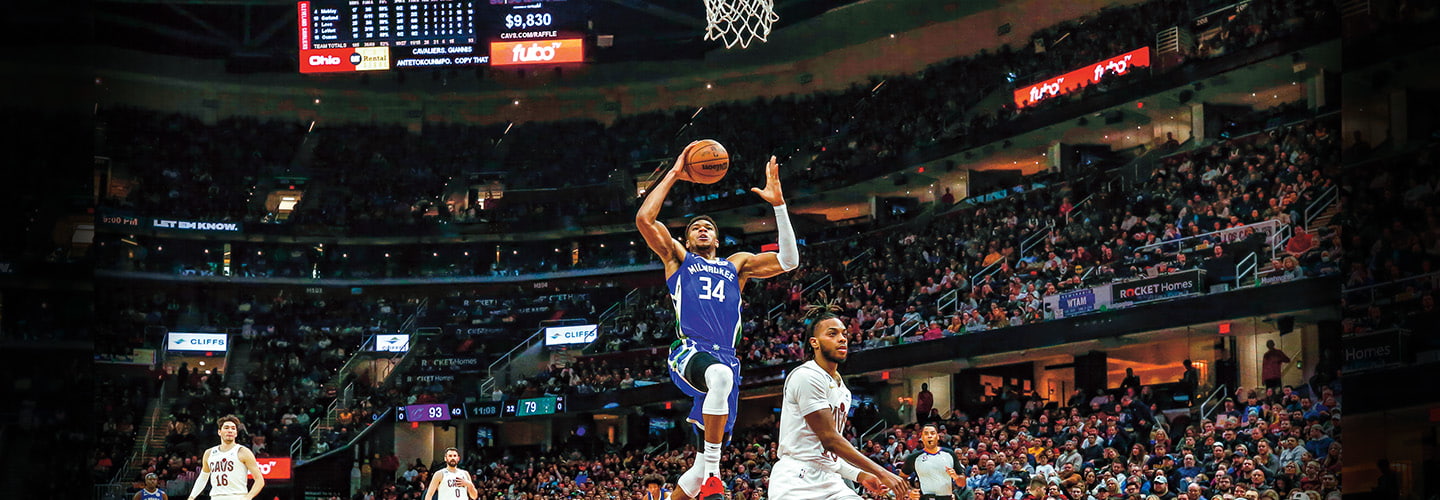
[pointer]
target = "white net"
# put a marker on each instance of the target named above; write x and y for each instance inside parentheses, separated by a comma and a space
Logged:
(739, 21)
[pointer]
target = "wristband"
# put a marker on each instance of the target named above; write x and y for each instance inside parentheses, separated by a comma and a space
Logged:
(849, 472)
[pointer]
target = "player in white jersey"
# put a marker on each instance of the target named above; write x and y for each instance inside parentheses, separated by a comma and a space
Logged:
(225, 467)
(452, 482)
(814, 456)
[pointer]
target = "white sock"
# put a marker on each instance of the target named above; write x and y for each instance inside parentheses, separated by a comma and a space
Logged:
(689, 482)
(712, 459)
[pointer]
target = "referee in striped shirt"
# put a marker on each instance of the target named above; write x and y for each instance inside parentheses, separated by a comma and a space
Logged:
(935, 468)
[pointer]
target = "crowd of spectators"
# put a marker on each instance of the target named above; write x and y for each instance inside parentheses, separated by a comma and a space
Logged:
(1263, 443)
(1280, 443)
(1254, 23)
(366, 261)
(378, 178)
(120, 403)
(173, 165)
(1197, 210)
(1392, 242)
(301, 343)
(47, 428)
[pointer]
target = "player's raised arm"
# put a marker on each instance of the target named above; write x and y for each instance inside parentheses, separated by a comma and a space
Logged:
(869, 473)
(656, 235)
(770, 264)
(204, 477)
(248, 458)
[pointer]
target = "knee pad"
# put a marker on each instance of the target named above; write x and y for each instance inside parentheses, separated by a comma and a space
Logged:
(720, 380)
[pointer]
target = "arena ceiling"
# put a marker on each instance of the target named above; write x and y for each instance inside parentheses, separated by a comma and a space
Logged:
(258, 30)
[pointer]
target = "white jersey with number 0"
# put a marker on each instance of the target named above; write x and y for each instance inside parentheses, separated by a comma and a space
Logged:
(451, 488)
(807, 389)
(228, 474)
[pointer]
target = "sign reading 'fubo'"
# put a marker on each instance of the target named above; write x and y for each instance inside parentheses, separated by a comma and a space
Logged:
(565, 50)
(1080, 78)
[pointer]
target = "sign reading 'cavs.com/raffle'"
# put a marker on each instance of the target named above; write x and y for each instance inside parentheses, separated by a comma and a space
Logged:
(565, 50)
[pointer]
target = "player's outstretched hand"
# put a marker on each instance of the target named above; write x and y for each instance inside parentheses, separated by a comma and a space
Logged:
(772, 192)
(871, 483)
(678, 169)
(885, 483)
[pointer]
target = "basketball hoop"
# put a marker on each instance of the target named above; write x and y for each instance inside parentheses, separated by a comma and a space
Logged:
(739, 21)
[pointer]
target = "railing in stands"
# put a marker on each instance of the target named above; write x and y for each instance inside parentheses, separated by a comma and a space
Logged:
(1353, 8)
(344, 392)
(1270, 227)
(872, 431)
(351, 443)
(143, 450)
(1387, 286)
(861, 257)
(824, 281)
(910, 330)
(1205, 407)
(660, 447)
(1320, 204)
(987, 271)
(775, 312)
(1076, 207)
(1036, 238)
(1246, 266)
(488, 386)
(946, 303)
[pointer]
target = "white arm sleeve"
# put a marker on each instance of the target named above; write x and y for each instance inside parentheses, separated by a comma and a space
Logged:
(200, 482)
(789, 252)
(849, 472)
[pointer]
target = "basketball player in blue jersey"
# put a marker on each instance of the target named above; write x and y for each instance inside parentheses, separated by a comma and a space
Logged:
(706, 293)
(152, 489)
(655, 488)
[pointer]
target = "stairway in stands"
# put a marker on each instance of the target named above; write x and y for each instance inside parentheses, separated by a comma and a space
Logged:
(1323, 222)
(153, 429)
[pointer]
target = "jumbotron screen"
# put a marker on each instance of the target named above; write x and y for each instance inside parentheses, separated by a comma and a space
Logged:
(341, 36)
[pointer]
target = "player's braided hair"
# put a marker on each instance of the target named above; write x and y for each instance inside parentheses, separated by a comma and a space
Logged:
(816, 312)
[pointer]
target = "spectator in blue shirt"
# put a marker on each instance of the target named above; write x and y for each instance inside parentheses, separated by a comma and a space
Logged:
(988, 476)
(1319, 443)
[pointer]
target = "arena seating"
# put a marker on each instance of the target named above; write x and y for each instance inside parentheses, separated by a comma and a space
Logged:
(377, 178)
(1193, 203)
(1001, 451)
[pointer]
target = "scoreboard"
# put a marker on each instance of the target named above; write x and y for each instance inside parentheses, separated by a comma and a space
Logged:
(375, 35)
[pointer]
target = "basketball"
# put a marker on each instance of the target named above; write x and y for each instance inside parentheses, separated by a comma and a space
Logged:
(707, 162)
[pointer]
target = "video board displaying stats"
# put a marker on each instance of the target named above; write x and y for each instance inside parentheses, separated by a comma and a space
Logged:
(340, 36)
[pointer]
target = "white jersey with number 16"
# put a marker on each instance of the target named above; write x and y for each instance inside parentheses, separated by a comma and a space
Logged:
(228, 474)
